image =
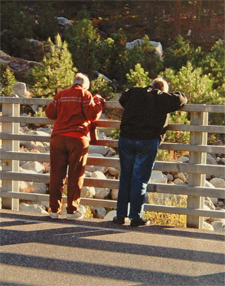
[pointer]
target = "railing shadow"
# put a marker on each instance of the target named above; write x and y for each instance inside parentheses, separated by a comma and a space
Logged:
(87, 236)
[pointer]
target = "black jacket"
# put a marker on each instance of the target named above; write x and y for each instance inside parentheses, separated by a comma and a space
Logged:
(146, 112)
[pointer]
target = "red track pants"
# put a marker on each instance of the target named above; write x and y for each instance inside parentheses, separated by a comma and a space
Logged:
(67, 151)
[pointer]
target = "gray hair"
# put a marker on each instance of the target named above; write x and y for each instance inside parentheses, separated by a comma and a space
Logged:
(82, 80)
(161, 84)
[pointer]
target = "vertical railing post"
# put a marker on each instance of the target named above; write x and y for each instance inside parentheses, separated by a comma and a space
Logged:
(197, 138)
(10, 145)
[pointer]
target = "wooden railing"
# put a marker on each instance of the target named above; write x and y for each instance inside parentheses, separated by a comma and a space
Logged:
(196, 191)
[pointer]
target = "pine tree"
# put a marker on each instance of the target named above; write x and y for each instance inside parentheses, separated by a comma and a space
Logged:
(84, 46)
(7, 82)
(56, 71)
(138, 77)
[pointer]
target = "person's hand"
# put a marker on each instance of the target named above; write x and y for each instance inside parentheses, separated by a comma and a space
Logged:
(98, 97)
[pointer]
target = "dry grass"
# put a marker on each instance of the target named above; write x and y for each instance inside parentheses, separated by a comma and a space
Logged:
(168, 219)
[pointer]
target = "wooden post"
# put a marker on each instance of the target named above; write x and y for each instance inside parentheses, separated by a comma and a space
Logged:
(8, 145)
(197, 138)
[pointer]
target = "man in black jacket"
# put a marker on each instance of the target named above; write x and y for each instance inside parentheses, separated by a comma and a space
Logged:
(143, 126)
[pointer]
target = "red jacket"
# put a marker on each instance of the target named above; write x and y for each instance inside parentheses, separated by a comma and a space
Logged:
(73, 110)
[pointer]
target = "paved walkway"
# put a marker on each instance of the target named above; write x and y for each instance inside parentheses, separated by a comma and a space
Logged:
(36, 250)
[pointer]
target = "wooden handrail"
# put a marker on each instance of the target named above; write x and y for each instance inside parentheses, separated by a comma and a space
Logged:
(196, 168)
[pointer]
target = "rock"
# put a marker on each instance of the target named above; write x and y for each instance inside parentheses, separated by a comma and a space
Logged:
(180, 176)
(211, 219)
(25, 187)
(103, 150)
(45, 129)
(39, 188)
(101, 193)
(113, 171)
(208, 226)
(208, 184)
(34, 166)
(32, 208)
(91, 168)
(64, 22)
(27, 144)
(156, 45)
(208, 202)
(27, 171)
(158, 177)
(87, 192)
(183, 159)
(20, 89)
(178, 182)
(98, 212)
(218, 183)
(110, 215)
(98, 175)
(222, 160)
(218, 226)
(169, 177)
(210, 160)
(114, 194)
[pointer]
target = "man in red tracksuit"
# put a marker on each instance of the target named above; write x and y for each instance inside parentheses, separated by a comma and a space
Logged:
(73, 110)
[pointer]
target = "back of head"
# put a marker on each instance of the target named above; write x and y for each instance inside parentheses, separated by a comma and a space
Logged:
(82, 80)
(161, 84)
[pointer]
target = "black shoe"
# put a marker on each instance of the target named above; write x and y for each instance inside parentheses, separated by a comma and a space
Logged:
(119, 220)
(139, 222)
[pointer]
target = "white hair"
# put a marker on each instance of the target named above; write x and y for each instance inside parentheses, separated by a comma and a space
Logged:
(82, 80)
(160, 83)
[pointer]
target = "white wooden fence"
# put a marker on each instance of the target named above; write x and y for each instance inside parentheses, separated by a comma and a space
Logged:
(10, 156)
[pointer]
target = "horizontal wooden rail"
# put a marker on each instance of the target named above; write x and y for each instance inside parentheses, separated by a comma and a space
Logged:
(162, 166)
(112, 124)
(113, 104)
(114, 184)
(112, 204)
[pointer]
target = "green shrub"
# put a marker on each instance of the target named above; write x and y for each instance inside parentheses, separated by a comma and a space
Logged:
(7, 82)
(213, 64)
(84, 46)
(138, 77)
(56, 71)
(102, 87)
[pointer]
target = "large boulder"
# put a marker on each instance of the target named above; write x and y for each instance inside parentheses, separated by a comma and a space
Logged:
(158, 177)
(219, 225)
(36, 208)
(218, 183)
(87, 192)
(156, 45)
(20, 89)
(34, 166)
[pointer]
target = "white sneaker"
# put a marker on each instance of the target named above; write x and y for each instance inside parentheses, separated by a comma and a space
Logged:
(54, 215)
(76, 215)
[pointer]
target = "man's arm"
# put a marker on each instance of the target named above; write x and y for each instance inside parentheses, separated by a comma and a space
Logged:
(172, 101)
(51, 109)
(92, 106)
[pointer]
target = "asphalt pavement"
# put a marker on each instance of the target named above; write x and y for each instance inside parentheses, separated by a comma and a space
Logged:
(36, 250)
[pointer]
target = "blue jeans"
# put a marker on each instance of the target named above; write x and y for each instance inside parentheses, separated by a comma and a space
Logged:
(137, 159)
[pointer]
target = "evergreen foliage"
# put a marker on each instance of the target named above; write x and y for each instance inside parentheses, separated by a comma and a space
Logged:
(56, 71)
(47, 24)
(213, 64)
(84, 46)
(7, 82)
(138, 77)
(197, 86)
(102, 87)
